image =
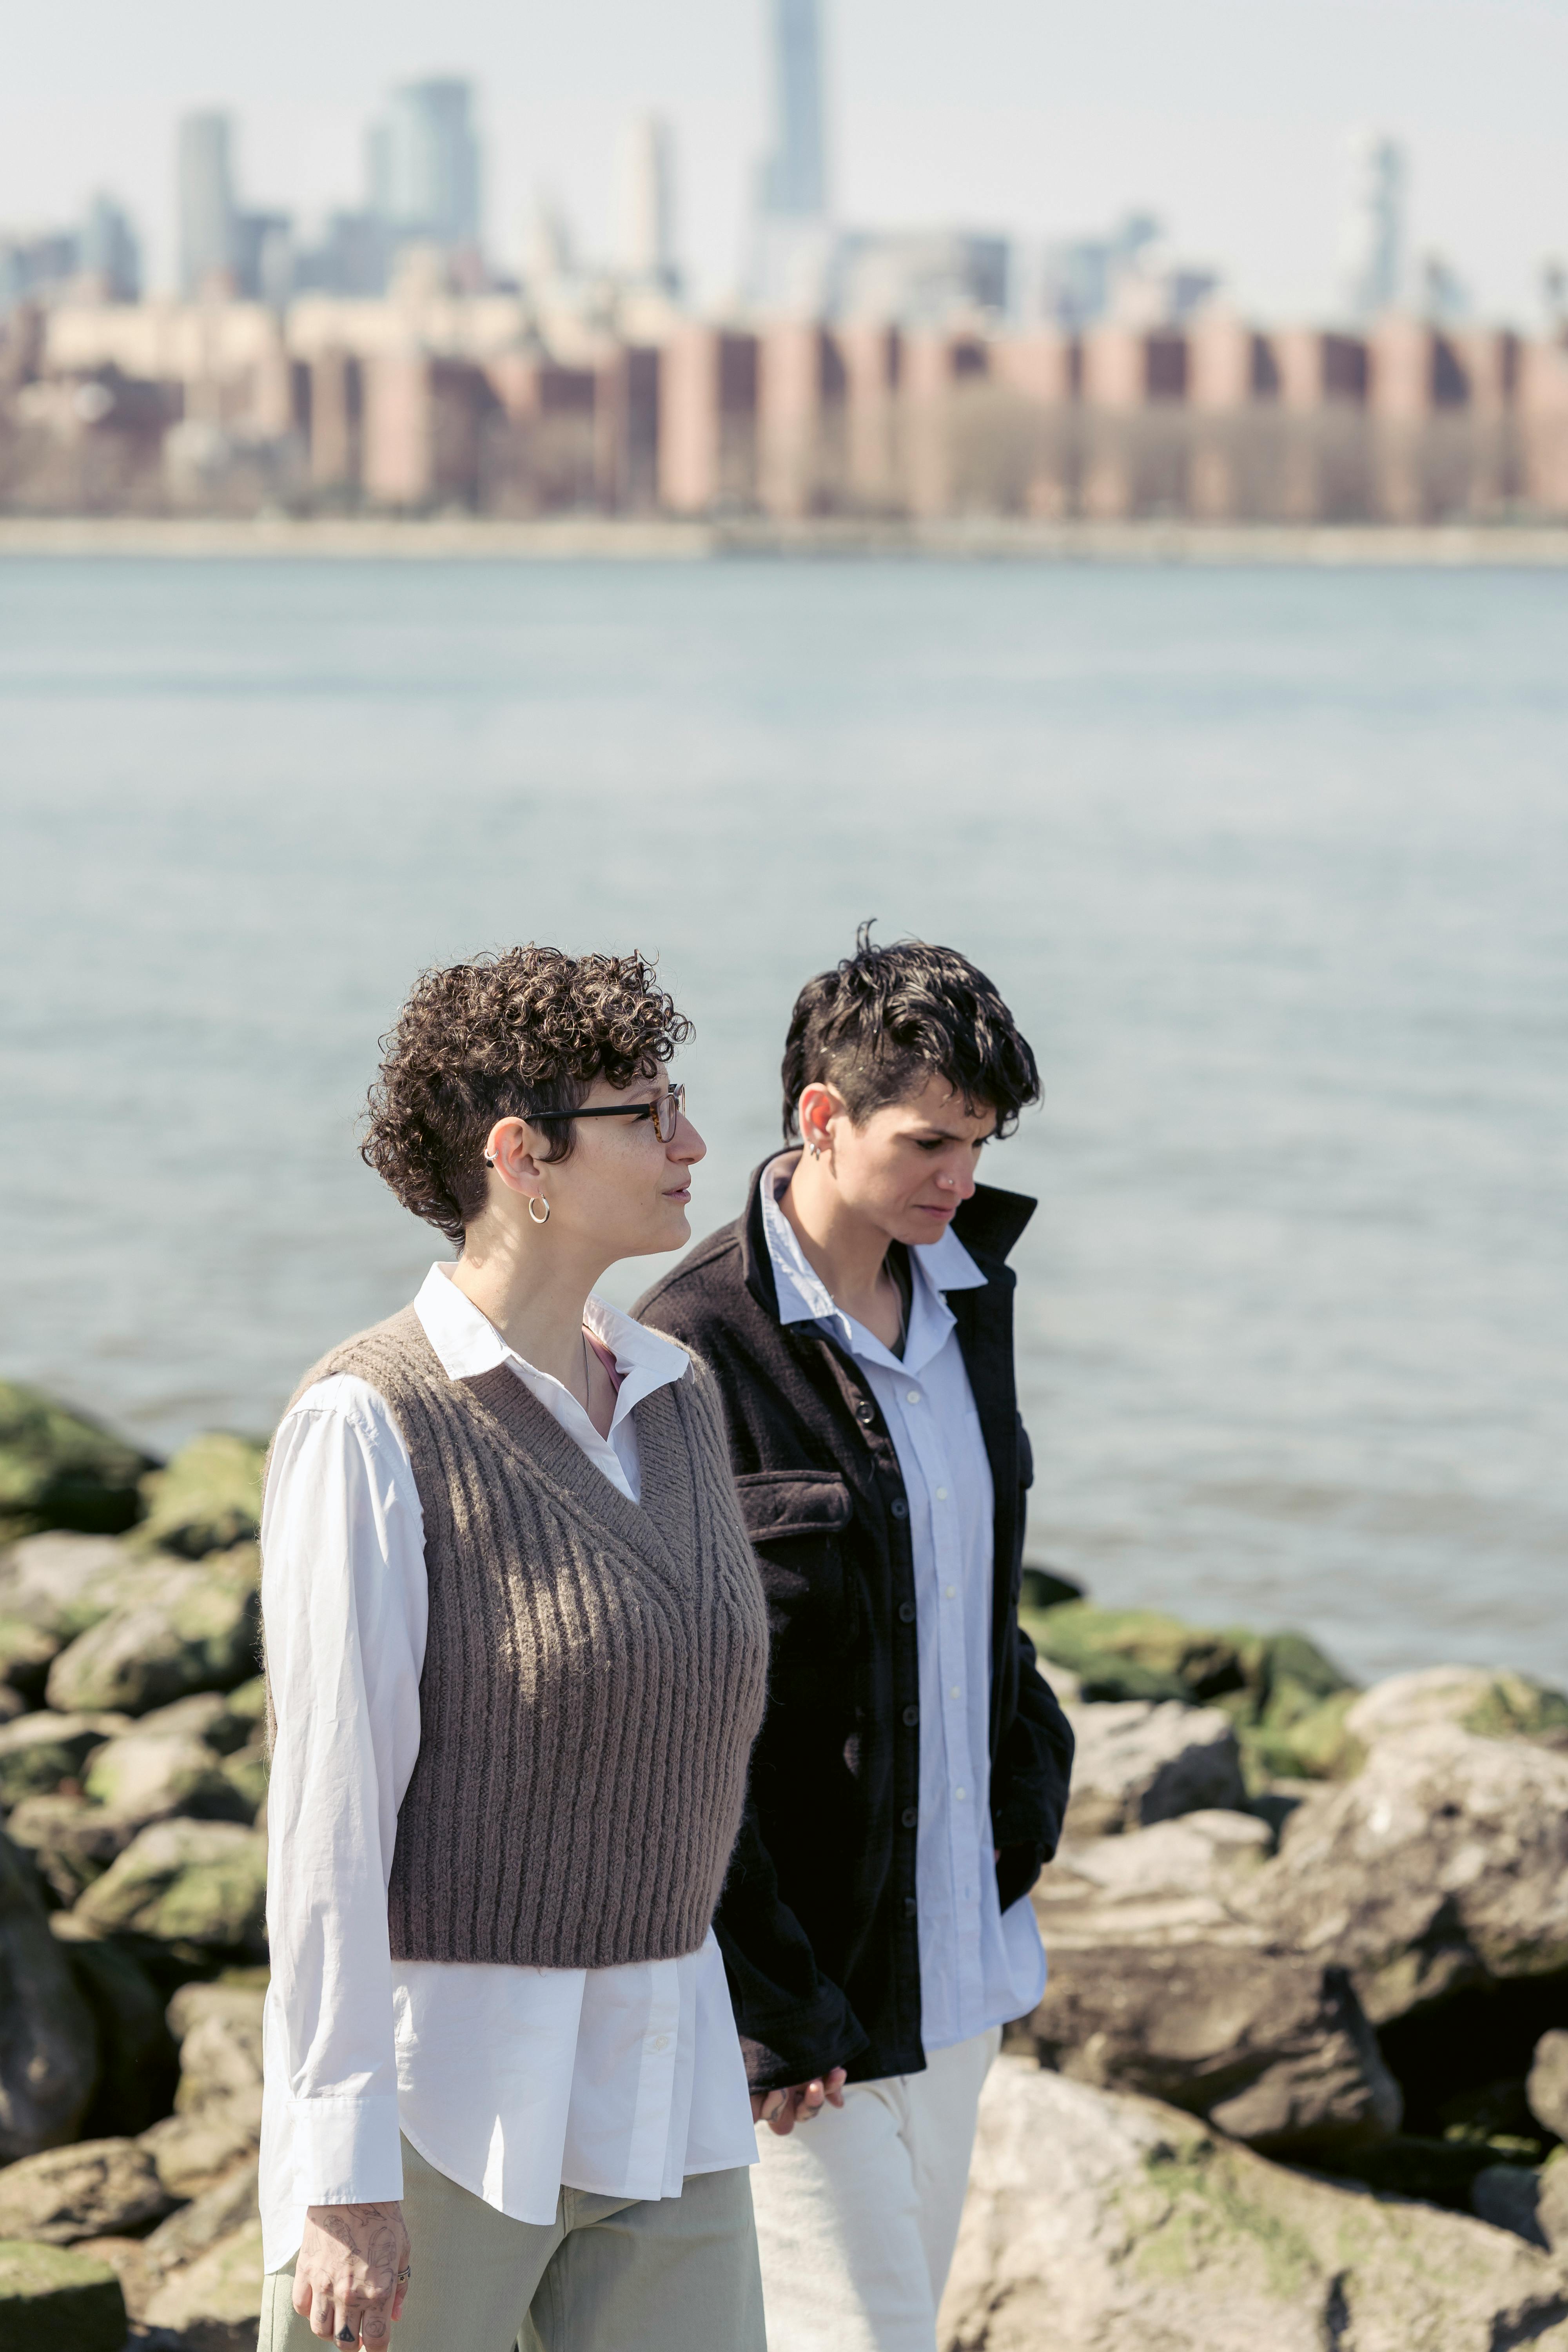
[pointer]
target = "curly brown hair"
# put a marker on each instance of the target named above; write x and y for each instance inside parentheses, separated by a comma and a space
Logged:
(512, 1036)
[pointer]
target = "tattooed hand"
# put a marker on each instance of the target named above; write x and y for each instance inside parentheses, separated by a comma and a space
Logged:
(352, 2271)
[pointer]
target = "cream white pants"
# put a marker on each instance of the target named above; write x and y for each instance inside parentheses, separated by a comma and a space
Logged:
(857, 2210)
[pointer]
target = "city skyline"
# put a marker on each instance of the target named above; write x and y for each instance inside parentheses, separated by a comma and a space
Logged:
(901, 150)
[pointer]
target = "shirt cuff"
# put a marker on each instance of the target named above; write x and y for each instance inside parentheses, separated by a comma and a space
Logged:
(347, 2151)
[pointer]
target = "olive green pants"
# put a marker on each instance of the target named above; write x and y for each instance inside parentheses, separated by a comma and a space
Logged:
(674, 2274)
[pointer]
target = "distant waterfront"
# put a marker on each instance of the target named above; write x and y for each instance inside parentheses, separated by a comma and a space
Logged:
(1271, 858)
(448, 538)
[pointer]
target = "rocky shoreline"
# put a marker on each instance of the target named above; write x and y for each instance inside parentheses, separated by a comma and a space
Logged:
(1300, 2078)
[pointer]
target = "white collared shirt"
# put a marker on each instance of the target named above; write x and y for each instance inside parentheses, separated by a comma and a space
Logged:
(979, 1965)
(511, 2080)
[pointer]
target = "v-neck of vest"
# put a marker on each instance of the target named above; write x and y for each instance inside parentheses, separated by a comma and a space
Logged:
(663, 1520)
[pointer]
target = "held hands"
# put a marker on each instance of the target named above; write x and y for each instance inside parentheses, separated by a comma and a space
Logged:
(782, 2110)
(352, 2271)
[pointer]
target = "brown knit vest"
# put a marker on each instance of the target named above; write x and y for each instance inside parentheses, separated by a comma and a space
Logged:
(594, 1672)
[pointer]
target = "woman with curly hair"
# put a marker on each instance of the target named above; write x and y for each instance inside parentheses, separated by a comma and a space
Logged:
(516, 1649)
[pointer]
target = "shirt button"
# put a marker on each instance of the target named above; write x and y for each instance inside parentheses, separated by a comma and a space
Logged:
(954, 1691)
(959, 1794)
(660, 2041)
(952, 1591)
(909, 1816)
(906, 1613)
(914, 1396)
(942, 1494)
(912, 1717)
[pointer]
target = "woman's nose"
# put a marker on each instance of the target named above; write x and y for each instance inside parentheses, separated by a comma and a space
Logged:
(685, 1145)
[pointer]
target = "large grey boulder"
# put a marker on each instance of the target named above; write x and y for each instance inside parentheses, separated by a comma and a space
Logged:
(37, 1751)
(215, 2302)
(197, 1884)
(138, 2065)
(59, 1469)
(1139, 1761)
(57, 2299)
(61, 1583)
(177, 1626)
(1547, 2089)
(218, 2028)
(1442, 1864)
(1271, 2049)
(1183, 1881)
(230, 2204)
(1096, 2221)
(71, 1842)
(193, 2153)
(146, 1776)
(1489, 1700)
(82, 2192)
(48, 2049)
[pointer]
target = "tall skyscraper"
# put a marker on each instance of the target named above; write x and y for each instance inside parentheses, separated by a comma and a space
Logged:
(424, 165)
(647, 203)
(204, 201)
(1373, 244)
(791, 260)
(109, 252)
(794, 178)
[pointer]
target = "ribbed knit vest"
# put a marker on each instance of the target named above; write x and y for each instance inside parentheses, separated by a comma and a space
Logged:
(594, 1671)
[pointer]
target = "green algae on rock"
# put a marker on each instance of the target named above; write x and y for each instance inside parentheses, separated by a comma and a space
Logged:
(61, 1469)
(53, 2299)
(207, 1499)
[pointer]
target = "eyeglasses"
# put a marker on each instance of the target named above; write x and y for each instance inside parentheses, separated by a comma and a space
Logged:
(664, 1110)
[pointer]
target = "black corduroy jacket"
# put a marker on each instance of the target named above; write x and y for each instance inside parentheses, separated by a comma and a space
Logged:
(819, 1916)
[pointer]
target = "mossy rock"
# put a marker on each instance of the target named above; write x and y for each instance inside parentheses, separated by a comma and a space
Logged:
(53, 2299)
(197, 1885)
(178, 1627)
(1286, 1697)
(208, 1498)
(59, 1469)
(1190, 1661)
(37, 1751)
(1315, 1745)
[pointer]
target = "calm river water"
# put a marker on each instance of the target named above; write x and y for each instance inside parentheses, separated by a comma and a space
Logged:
(1272, 866)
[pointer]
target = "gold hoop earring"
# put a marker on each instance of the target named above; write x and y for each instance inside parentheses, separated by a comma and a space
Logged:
(540, 1203)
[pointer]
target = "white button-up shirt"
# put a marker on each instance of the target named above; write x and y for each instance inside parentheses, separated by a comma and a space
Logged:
(979, 1965)
(511, 2080)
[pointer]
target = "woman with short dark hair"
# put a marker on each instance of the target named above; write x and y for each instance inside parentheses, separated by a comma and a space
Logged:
(516, 1651)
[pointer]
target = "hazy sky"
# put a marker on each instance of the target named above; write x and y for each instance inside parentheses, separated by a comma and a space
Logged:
(1228, 118)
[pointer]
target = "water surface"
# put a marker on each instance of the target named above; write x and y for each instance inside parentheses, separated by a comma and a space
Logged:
(1272, 866)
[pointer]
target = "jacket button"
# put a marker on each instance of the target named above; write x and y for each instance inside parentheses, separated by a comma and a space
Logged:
(910, 1906)
(909, 1816)
(906, 1613)
(866, 1412)
(911, 1716)
(898, 1507)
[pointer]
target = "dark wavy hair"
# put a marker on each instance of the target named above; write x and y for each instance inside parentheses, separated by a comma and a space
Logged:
(513, 1035)
(886, 1020)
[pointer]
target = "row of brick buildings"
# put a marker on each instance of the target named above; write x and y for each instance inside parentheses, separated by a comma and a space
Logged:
(364, 405)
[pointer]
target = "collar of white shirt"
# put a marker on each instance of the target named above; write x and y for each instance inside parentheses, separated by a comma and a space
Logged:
(803, 1297)
(466, 1342)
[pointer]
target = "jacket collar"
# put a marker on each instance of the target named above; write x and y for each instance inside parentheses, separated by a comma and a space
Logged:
(988, 1225)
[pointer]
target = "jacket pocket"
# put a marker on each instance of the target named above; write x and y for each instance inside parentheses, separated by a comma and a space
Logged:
(778, 1503)
(796, 1520)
